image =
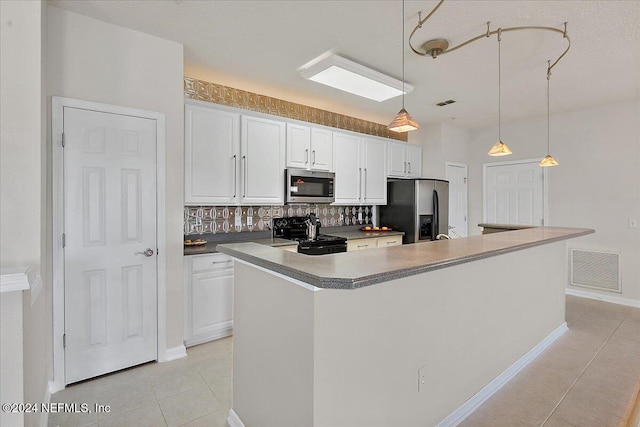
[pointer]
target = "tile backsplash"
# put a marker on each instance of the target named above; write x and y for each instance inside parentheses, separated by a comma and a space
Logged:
(222, 219)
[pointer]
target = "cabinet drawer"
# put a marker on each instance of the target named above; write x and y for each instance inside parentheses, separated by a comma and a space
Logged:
(210, 262)
(385, 242)
(360, 244)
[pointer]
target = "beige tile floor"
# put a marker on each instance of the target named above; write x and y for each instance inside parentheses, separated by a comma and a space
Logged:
(586, 378)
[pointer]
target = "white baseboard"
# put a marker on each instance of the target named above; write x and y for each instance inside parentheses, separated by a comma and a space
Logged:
(457, 416)
(234, 420)
(46, 398)
(601, 297)
(220, 333)
(175, 353)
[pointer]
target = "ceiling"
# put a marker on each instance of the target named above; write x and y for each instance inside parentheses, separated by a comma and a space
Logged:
(260, 45)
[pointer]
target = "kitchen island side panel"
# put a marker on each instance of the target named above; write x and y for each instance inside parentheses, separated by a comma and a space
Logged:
(272, 350)
(465, 325)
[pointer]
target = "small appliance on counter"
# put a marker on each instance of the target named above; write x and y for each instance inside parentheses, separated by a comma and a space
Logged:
(419, 207)
(306, 231)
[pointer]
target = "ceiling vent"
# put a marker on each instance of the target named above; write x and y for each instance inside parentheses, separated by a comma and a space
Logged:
(443, 103)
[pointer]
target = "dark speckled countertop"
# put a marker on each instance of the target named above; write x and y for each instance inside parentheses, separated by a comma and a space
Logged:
(351, 270)
(265, 238)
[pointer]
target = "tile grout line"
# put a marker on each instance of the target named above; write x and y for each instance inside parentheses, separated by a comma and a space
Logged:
(583, 371)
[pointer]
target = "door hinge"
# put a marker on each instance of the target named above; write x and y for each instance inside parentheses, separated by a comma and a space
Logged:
(62, 139)
(64, 240)
(542, 221)
(465, 179)
(64, 340)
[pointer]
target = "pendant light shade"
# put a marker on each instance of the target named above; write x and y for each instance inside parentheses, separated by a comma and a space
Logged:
(548, 159)
(403, 122)
(500, 148)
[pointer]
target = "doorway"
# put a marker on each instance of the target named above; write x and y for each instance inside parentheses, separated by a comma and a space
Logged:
(514, 193)
(457, 176)
(108, 167)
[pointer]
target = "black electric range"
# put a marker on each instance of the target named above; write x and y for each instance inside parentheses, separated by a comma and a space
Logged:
(295, 228)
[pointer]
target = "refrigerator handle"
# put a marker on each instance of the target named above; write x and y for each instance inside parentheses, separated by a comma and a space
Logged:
(436, 216)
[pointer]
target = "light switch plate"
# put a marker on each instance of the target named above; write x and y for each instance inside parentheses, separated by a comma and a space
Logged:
(422, 378)
(238, 222)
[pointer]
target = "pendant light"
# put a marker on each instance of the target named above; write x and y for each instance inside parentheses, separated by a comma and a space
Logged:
(548, 159)
(500, 148)
(403, 122)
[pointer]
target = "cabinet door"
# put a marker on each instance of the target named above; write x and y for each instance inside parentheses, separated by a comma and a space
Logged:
(211, 301)
(361, 244)
(375, 172)
(211, 155)
(414, 160)
(385, 242)
(298, 142)
(262, 166)
(396, 164)
(346, 162)
(321, 149)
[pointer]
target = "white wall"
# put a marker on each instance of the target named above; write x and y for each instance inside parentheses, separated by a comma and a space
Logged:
(440, 144)
(23, 195)
(96, 61)
(597, 184)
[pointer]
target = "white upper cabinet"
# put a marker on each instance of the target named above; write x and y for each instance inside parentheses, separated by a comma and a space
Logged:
(404, 160)
(309, 148)
(360, 170)
(414, 160)
(373, 161)
(212, 148)
(262, 161)
(346, 162)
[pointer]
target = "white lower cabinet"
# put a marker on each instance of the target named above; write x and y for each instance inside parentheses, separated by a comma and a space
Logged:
(373, 242)
(208, 296)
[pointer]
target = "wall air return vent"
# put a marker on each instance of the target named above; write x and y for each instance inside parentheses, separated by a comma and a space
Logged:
(443, 103)
(595, 269)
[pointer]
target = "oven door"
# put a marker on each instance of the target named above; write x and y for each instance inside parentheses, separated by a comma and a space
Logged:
(304, 186)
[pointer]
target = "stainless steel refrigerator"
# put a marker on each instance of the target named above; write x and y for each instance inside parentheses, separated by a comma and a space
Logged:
(419, 207)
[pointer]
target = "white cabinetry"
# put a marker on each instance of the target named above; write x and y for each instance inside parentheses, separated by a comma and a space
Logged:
(404, 160)
(232, 159)
(373, 242)
(360, 167)
(309, 148)
(262, 161)
(212, 145)
(208, 298)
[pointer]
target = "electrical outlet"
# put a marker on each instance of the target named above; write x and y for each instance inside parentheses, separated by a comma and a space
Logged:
(633, 223)
(238, 222)
(422, 378)
(360, 216)
(249, 221)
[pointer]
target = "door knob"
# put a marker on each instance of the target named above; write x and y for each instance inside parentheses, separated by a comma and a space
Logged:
(147, 252)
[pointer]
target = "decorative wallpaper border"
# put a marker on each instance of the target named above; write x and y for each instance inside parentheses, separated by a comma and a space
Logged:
(222, 219)
(224, 95)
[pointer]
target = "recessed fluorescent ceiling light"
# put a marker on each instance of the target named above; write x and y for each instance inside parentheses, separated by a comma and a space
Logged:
(344, 74)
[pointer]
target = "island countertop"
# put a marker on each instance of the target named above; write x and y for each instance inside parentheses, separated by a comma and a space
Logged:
(352, 270)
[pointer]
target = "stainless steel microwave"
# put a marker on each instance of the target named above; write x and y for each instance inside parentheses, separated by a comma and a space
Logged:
(303, 186)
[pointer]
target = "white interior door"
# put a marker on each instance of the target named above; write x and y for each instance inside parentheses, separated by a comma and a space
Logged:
(110, 291)
(457, 177)
(514, 193)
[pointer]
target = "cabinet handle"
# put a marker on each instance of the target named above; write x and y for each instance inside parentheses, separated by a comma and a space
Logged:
(409, 170)
(392, 243)
(306, 156)
(365, 183)
(235, 175)
(220, 262)
(404, 170)
(244, 169)
(314, 158)
(359, 183)
(363, 246)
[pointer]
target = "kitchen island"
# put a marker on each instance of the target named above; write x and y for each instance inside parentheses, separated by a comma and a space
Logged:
(400, 336)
